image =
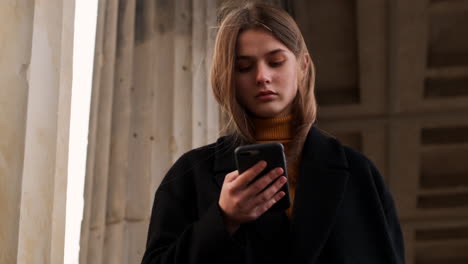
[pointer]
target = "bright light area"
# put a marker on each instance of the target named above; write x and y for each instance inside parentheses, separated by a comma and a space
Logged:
(83, 58)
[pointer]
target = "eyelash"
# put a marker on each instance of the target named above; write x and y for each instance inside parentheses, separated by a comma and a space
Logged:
(276, 64)
(244, 69)
(271, 64)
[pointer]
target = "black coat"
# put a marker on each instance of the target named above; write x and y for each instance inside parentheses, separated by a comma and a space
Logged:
(343, 213)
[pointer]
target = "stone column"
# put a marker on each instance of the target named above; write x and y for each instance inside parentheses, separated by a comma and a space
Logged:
(37, 42)
(156, 106)
(16, 25)
(94, 217)
(43, 196)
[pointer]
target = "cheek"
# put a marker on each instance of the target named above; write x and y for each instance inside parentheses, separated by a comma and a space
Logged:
(242, 80)
(243, 85)
(290, 81)
(241, 91)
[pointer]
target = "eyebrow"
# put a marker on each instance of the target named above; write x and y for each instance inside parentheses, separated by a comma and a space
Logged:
(266, 54)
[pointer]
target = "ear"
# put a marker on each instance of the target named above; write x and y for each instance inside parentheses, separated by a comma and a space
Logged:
(304, 64)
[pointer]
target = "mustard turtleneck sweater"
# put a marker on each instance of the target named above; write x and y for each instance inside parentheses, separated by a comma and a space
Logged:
(279, 129)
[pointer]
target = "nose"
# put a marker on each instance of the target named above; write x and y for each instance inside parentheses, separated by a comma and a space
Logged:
(263, 74)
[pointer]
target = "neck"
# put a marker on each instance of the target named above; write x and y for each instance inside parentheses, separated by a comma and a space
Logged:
(273, 129)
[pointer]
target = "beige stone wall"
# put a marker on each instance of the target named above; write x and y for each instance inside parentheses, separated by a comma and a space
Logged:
(391, 82)
(36, 47)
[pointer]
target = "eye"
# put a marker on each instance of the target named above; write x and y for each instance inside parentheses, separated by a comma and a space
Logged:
(244, 68)
(276, 63)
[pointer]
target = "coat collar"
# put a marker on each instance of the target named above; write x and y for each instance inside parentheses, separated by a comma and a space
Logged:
(320, 189)
(321, 152)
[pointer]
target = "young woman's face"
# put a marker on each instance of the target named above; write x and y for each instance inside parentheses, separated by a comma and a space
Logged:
(265, 74)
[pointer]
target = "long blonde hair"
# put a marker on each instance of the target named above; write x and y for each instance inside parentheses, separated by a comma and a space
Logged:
(233, 21)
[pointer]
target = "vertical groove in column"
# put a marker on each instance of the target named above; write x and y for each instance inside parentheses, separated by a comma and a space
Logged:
(183, 93)
(91, 151)
(141, 137)
(213, 110)
(163, 86)
(114, 241)
(199, 51)
(101, 168)
(205, 123)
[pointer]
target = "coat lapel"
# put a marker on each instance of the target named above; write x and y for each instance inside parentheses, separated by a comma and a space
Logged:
(266, 228)
(224, 159)
(320, 190)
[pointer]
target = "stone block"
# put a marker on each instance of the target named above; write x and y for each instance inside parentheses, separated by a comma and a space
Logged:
(350, 74)
(431, 56)
(436, 242)
(113, 251)
(369, 137)
(429, 169)
(135, 242)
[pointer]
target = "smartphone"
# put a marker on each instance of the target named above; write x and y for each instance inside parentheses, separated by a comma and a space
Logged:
(273, 154)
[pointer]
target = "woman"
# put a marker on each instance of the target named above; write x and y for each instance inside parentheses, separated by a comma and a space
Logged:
(206, 212)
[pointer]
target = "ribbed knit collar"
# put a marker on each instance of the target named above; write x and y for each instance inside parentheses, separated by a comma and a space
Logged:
(273, 129)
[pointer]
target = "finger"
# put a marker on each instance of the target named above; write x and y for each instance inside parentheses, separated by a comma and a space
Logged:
(245, 178)
(271, 191)
(231, 176)
(259, 185)
(262, 208)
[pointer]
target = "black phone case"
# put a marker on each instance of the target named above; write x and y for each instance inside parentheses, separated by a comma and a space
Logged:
(273, 154)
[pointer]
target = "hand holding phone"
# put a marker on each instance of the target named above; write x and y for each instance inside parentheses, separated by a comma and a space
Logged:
(246, 196)
(273, 154)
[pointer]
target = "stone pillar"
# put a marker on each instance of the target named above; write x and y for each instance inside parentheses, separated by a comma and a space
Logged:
(36, 78)
(91, 153)
(43, 196)
(16, 25)
(156, 106)
(94, 217)
(115, 239)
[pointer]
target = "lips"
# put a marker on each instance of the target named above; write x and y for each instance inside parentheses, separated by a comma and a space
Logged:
(266, 96)
(265, 93)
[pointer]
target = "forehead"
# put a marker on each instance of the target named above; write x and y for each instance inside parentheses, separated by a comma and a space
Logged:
(257, 42)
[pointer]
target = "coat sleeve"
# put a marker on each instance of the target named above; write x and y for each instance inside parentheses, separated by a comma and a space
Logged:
(392, 220)
(177, 234)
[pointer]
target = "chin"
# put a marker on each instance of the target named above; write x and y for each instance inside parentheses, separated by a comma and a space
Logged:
(267, 114)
